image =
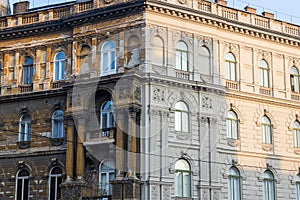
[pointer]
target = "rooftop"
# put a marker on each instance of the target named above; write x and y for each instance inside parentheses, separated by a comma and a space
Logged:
(266, 20)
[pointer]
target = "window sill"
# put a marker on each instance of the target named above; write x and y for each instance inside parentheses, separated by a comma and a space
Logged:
(297, 150)
(182, 135)
(57, 141)
(233, 142)
(23, 144)
(267, 147)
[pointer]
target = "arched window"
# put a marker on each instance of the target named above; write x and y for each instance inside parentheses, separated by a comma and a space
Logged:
(269, 185)
(232, 125)
(294, 79)
(183, 179)
(157, 51)
(25, 128)
(264, 73)
(107, 117)
(22, 184)
(108, 58)
(234, 184)
(106, 174)
(266, 130)
(204, 59)
(59, 66)
(58, 124)
(181, 56)
(28, 70)
(298, 188)
(230, 67)
(55, 179)
(296, 133)
(181, 117)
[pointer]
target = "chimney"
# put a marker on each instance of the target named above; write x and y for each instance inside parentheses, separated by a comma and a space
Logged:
(21, 7)
(268, 15)
(222, 2)
(250, 9)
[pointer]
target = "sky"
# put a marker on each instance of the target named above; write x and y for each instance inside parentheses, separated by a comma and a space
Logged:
(286, 10)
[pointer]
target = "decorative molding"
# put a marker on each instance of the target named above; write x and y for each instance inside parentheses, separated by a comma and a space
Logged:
(206, 102)
(158, 95)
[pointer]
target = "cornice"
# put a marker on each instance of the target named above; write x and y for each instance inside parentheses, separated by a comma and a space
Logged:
(9, 98)
(100, 14)
(257, 98)
(221, 22)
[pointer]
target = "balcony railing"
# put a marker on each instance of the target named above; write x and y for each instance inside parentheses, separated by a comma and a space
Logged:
(215, 9)
(265, 91)
(229, 14)
(57, 84)
(30, 19)
(262, 22)
(295, 96)
(204, 6)
(26, 88)
(61, 13)
(85, 6)
(183, 74)
(232, 85)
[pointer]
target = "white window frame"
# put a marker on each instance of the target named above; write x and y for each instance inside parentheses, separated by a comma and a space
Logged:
(294, 78)
(297, 184)
(264, 74)
(183, 187)
(181, 56)
(266, 130)
(25, 128)
(58, 124)
(182, 118)
(59, 66)
(232, 125)
(230, 67)
(234, 184)
(22, 178)
(109, 113)
(55, 176)
(269, 185)
(109, 175)
(111, 63)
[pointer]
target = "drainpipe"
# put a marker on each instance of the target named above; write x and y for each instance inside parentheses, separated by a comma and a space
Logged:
(209, 158)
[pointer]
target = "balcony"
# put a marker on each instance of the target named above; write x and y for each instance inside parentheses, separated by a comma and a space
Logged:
(265, 91)
(295, 96)
(57, 84)
(182, 74)
(26, 88)
(233, 85)
(95, 137)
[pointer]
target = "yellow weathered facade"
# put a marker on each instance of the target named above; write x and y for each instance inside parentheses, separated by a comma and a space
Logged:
(148, 100)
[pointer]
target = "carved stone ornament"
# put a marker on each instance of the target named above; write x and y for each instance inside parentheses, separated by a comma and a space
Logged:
(158, 95)
(207, 102)
(107, 1)
(182, 1)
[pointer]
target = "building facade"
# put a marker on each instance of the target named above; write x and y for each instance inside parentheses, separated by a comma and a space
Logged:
(137, 99)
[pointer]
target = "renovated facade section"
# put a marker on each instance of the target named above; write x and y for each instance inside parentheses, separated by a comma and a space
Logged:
(170, 99)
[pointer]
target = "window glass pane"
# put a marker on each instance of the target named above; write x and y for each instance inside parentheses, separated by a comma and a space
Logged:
(233, 73)
(298, 190)
(229, 130)
(186, 184)
(178, 121)
(234, 129)
(113, 60)
(261, 77)
(19, 191)
(228, 70)
(268, 135)
(185, 122)
(178, 60)
(184, 61)
(104, 120)
(266, 78)
(178, 184)
(296, 84)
